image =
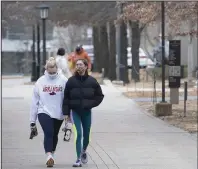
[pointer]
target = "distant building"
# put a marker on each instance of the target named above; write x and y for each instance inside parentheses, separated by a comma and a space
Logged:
(16, 53)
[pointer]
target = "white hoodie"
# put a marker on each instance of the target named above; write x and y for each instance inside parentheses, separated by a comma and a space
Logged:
(63, 67)
(47, 97)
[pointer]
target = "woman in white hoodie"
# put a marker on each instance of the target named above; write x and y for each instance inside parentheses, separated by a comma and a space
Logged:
(47, 101)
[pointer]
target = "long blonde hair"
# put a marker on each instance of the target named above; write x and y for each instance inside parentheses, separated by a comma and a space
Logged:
(51, 62)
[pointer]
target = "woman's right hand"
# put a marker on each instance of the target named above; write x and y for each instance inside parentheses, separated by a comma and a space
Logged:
(32, 125)
(33, 130)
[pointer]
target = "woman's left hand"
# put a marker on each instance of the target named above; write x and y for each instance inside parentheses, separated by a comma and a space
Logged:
(67, 118)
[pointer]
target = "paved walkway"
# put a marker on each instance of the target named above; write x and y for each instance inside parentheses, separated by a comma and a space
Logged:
(149, 99)
(123, 136)
(149, 89)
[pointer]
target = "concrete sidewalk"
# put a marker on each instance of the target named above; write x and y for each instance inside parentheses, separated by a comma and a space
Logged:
(123, 136)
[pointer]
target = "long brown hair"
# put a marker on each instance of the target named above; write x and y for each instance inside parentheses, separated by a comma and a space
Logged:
(85, 63)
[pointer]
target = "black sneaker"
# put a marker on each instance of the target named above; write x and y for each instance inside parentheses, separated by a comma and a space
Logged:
(77, 163)
(84, 157)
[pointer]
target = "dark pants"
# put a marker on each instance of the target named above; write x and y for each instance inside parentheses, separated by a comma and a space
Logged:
(51, 129)
(82, 119)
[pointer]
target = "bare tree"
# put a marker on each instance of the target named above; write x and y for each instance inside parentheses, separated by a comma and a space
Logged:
(96, 44)
(140, 14)
(67, 13)
(112, 50)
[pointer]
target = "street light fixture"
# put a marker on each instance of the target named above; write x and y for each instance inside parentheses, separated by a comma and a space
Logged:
(44, 11)
(44, 15)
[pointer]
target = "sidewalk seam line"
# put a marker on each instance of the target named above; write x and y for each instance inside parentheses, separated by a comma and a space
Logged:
(99, 156)
(107, 155)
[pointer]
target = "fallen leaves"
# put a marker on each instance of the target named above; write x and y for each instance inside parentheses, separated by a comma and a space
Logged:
(177, 119)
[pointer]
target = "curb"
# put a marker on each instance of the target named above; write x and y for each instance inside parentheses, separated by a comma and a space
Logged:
(191, 136)
(29, 83)
(108, 83)
(12, 77)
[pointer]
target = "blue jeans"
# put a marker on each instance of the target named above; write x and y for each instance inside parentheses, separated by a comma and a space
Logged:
(51, 129)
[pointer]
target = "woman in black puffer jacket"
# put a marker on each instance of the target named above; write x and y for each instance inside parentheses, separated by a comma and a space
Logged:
(82, 93)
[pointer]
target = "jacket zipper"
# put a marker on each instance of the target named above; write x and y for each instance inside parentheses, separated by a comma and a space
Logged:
(81, 92)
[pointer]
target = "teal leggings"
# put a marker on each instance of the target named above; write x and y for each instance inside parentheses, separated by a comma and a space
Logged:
(84, 119)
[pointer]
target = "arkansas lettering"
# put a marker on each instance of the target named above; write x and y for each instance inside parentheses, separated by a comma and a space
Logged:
(52, 88)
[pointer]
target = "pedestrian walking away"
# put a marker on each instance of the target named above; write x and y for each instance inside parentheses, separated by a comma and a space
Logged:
(82, 93)
(47, 99)
(62, 63)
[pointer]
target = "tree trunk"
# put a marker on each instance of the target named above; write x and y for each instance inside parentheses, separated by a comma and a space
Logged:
(112, 51)
(190, 55)
(135, 41)
(96, 44)
(123, 60)
(104, 49)
(100, 56)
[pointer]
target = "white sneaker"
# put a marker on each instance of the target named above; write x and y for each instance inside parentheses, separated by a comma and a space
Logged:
(53, 157)
(84, 157)
(77, 163)
(50, 161)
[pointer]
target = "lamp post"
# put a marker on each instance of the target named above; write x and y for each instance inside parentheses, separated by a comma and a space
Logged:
(33, 77)
(44, 15)
(163, 50)
(38, 52)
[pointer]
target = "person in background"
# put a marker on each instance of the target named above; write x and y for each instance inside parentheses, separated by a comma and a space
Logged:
(79, 53)
(47, 98)
(82, 93)
(62, 63)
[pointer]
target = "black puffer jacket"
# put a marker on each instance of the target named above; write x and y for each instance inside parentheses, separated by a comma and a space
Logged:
(81, 93)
